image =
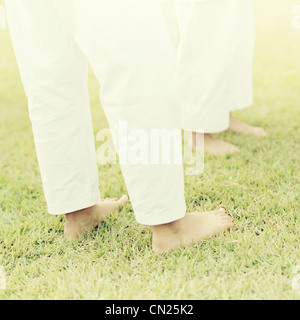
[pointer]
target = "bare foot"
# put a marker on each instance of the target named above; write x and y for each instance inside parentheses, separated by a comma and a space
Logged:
(77, 223)
(213, 145)
(241, 127)
(192, 229)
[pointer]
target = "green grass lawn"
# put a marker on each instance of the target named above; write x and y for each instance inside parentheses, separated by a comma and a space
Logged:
(259, 187)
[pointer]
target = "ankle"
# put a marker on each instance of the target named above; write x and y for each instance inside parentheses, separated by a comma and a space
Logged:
(167, 230)
(166, 236)
(209, 137)
(77, 216)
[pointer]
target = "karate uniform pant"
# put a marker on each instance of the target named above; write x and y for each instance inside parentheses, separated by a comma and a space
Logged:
(214, 40)
(128, 47)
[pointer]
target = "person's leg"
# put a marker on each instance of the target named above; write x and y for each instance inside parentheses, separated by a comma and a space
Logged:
(54, 74)
(239, 126)
(68, 164)
(242, 89)
(79, 222)
(128, 47)
(205, 54)
(212, 144)
(192, 229)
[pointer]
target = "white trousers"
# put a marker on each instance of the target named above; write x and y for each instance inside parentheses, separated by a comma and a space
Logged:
(214, 40)
(128, 47)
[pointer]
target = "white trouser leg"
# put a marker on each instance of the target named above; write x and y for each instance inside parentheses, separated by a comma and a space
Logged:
(215, 54)
(205, 56)
(128, 47)
(242, 85)
(54, 73)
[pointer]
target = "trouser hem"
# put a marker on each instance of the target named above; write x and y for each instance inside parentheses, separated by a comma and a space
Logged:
(152, 221)
(74, 206)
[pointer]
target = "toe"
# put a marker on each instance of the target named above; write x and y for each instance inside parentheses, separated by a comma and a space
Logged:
(230, 226)
(124, 200)
(218, 212)
(227, 221)
(234, 149)
(260, 132)
(263, 133)
(109, 200)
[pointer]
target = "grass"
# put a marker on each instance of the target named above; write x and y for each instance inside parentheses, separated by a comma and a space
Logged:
(259, 187)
